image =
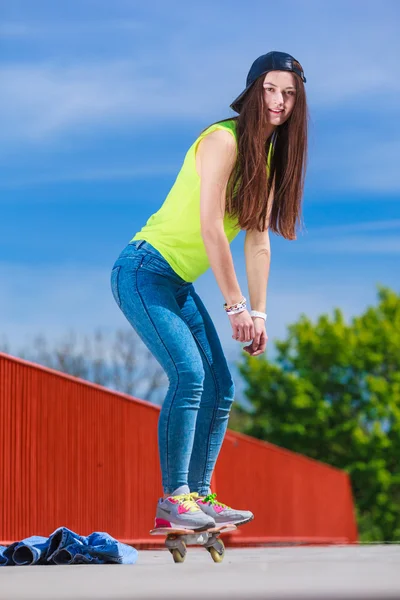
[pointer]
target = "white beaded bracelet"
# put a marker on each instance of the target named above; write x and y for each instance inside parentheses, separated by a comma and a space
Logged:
(256, 313)
(236, 311)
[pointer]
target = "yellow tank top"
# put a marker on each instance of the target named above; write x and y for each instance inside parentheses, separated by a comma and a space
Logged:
(174, 230)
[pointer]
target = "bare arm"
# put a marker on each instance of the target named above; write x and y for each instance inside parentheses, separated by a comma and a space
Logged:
(258, 258)
(217, 156)
(257, 249)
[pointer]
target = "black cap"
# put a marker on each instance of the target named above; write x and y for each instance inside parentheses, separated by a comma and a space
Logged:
(273, 61)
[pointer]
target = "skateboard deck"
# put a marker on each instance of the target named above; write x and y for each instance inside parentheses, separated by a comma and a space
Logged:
(178, 539)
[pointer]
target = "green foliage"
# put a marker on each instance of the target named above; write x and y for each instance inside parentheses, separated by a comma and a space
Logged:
(334, 395)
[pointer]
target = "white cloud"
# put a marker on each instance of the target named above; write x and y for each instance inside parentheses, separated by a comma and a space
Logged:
(15, 29)
(111, 93)
(352, 160)
(105, 94)
(370, 237)
(53, 30)
(372, 226)
(356, 245)
(61, 98)
(92, 174)
(54, 298)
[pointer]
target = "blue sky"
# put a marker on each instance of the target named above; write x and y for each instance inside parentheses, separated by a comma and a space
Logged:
(100, 101)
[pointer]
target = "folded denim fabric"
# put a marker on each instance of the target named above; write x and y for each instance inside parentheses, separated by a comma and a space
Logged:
(64, 546)
(75, 554)
(6, 554)
(30, 551)
(62, 538)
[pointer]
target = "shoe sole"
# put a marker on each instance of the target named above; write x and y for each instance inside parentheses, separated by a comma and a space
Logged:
(204, 527)
(237, 524)
(244, 522)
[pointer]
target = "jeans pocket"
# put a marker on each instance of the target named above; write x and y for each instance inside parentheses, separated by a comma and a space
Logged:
(158, 265)
(114, 284)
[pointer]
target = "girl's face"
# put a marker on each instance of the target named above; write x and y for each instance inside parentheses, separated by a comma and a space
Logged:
(279, 95)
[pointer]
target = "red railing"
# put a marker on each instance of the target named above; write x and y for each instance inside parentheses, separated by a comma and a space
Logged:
(78, 455)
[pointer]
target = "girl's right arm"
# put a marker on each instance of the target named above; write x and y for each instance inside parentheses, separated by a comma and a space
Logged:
(217, 155)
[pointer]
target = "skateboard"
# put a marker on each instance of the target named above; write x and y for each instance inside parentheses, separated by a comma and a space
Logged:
(177, 539)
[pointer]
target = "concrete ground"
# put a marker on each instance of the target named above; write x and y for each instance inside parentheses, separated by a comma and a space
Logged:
(284, 573)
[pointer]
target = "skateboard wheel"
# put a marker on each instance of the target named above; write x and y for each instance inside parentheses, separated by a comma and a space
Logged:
(177, 556)
(217, 556)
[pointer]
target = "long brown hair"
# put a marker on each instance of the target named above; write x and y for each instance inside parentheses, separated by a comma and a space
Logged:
(248, 191)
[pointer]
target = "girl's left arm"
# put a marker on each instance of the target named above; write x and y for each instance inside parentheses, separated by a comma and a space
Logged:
(257, 251)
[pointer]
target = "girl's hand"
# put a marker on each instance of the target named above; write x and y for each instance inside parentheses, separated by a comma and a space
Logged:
(259, 342)
(242, 326)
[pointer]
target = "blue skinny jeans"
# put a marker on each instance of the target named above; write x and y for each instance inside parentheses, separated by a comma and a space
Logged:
(174, 324)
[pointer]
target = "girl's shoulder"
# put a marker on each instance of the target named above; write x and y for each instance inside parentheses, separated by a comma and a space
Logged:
(223, 131)
(226, 124)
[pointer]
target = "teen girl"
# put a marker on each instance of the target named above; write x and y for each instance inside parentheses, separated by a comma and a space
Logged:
(243, 173)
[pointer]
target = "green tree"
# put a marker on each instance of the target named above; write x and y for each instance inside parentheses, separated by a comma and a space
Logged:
(334, 394)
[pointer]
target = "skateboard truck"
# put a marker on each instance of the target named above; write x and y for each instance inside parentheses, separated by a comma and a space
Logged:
(177, 541)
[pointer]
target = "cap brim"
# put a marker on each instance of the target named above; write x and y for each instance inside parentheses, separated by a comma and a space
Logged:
(237, 103)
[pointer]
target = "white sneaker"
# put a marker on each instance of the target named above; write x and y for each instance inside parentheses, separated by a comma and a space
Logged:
(182, 512)
(221, 513)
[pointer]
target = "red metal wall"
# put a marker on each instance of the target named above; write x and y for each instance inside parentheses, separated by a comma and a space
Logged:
(77, 455)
